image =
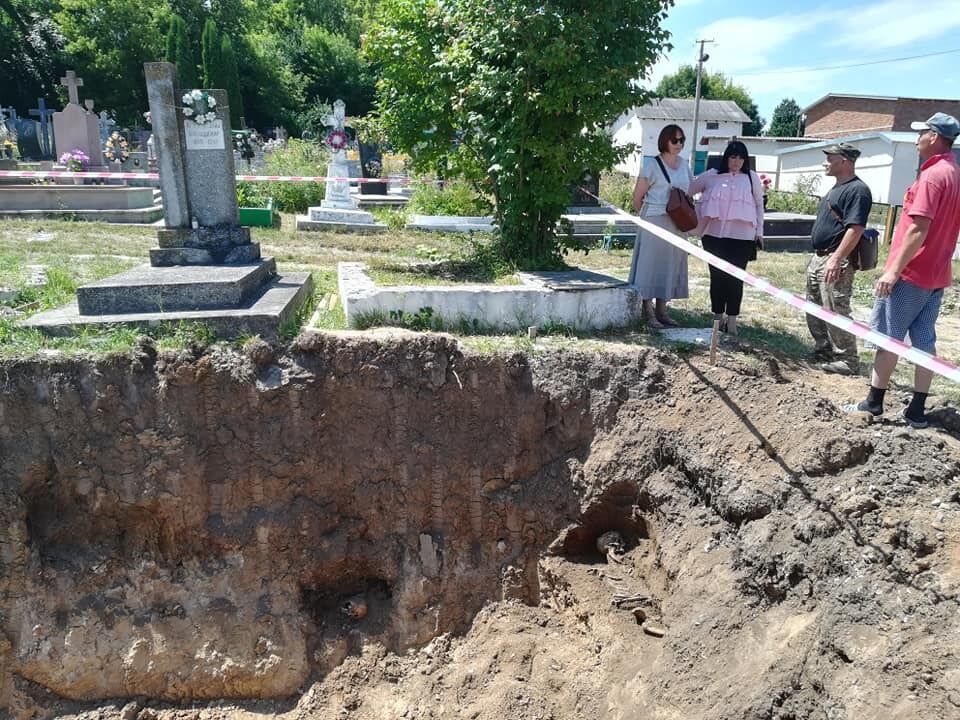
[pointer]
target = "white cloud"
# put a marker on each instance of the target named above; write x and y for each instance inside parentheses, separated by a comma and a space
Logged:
(893, 24)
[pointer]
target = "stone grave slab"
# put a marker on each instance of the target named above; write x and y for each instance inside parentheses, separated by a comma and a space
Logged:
(451, 223)
(156, 289)
(277, 303)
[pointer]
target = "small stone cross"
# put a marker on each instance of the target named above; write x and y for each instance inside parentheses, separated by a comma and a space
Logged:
(88, 104)
(72, 82)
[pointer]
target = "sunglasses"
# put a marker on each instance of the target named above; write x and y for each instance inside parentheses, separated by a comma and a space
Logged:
(678, 141)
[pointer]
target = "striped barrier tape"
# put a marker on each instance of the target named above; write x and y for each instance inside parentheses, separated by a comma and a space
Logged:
(156, 176)
(917, 357)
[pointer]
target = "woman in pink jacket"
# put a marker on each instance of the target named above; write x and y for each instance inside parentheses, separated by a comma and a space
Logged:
(731, 227)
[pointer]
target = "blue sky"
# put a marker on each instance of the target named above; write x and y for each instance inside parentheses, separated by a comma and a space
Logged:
(790, 49)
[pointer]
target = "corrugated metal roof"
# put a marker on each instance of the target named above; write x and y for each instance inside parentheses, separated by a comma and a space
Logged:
(675, 109)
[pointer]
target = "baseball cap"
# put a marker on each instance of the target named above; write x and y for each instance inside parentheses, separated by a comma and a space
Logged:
(845, 149)
(941, 124)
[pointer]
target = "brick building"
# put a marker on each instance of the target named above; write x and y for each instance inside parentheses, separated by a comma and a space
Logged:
(837, 115)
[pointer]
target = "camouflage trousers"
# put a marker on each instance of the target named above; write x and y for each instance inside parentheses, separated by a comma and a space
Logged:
(833, 296)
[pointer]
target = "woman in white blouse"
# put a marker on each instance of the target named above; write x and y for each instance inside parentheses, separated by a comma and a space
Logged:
(659, 270)
(731, 227)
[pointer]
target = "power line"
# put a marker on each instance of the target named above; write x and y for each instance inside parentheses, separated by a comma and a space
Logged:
(849, 65)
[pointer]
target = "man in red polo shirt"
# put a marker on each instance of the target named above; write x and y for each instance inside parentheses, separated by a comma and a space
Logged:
(918, 267)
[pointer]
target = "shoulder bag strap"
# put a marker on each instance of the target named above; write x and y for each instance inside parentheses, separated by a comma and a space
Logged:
(664, 170)
(834, 212)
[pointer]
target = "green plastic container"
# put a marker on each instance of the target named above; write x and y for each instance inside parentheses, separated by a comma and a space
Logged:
(259, 217)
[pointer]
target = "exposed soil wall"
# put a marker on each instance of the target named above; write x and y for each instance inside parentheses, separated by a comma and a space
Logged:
(323, 527)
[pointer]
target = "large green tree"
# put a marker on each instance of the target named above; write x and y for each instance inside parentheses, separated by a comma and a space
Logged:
(31, 52)
(333, 68)
(272, 91)
(232, 85)
(180, 52)
(713, 86)
(107, 42)
(210, 55)
(787, 120)
(516, 95)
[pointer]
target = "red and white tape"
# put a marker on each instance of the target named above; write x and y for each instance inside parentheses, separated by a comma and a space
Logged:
(156, 176)
(911, 354)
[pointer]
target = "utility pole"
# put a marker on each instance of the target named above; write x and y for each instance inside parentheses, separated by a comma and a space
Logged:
(701, 59)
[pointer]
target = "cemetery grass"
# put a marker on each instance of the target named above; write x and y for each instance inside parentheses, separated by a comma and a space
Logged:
(74, 253)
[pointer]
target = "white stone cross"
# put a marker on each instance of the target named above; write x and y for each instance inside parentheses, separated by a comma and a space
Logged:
(72, 82)
(338, 117)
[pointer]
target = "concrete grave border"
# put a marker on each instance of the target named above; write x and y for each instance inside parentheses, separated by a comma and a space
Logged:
(582, 300)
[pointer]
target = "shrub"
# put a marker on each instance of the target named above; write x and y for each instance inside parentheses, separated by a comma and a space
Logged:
(800, 200)
(453, 198)
(617, 189)
(297, 158)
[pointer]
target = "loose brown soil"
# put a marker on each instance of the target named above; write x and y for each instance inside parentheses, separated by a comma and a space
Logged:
(382, 526)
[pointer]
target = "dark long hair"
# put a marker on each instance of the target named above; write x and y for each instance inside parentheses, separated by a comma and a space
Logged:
(735, 147)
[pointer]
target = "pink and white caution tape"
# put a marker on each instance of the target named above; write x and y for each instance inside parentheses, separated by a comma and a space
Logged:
(911, 354)
(156, 176)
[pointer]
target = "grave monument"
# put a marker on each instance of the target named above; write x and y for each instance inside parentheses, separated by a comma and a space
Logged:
(76, 127)
(205, 267)
(338, 210)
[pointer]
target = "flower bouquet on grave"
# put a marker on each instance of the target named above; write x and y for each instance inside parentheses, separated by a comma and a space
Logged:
(75, 161)
(8, 148)
(198, 106)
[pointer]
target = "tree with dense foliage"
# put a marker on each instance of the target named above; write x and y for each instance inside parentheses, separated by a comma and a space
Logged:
(290, 54)
(229, 61)
(516, 96)
(713, 86)
(787, 120)
(210, 55)
(180, 52)
(333, 69)
(273, 92)
(31, 52)
(107, 42)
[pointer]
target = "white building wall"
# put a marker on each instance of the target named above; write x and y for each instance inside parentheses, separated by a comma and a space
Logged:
(887, 167)
(644, 133)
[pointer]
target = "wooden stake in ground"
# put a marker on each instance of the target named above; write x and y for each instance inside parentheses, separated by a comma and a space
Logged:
(713, 341)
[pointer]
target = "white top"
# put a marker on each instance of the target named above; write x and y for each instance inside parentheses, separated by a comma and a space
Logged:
(729, 207)
(655, 200)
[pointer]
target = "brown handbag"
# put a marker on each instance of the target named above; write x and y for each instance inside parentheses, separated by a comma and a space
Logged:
(680, 205)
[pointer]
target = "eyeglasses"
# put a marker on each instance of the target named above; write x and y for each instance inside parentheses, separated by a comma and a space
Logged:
(678, 141)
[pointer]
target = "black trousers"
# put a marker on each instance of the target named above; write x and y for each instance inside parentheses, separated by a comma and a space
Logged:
(726, 291)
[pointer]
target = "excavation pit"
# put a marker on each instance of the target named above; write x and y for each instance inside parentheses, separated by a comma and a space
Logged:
(385, 525)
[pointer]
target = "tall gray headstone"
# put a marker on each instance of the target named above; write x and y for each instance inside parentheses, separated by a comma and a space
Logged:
(197, 177)
(76, 127)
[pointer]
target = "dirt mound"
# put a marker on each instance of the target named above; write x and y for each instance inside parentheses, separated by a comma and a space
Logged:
(368, 527)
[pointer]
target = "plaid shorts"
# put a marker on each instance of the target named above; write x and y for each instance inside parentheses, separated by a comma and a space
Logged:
(909, 309)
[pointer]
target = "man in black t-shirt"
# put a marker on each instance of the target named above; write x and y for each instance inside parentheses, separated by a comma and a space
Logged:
(841, 218)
